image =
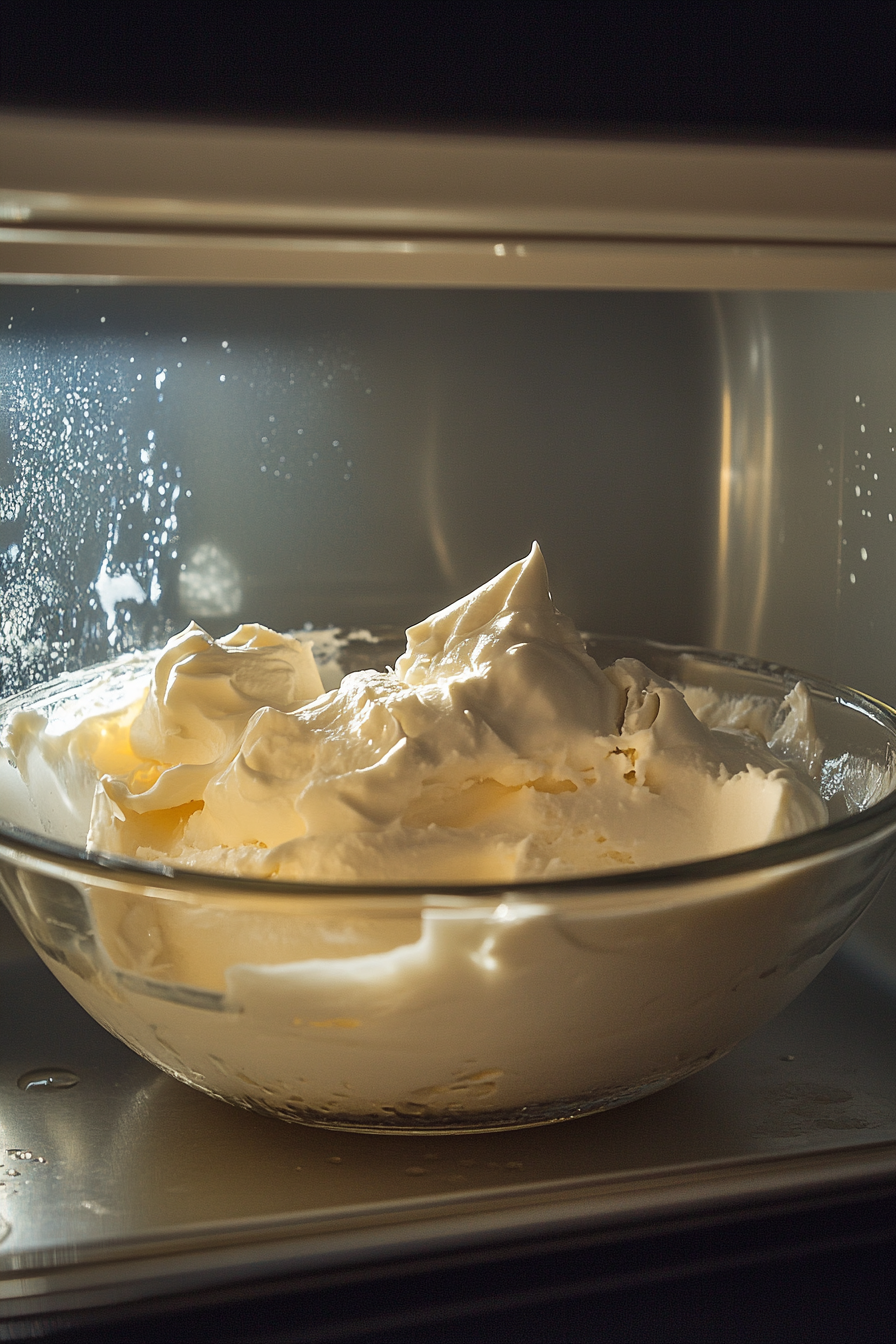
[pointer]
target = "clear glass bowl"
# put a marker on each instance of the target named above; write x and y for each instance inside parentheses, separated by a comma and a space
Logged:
(453, 1009)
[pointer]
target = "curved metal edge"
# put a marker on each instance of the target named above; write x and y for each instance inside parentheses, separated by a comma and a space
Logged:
(210, 1256)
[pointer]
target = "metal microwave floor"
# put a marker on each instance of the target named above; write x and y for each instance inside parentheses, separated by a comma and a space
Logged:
(128, 1184)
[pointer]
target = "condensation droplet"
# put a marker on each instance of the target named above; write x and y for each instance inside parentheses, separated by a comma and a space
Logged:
(51, 1079)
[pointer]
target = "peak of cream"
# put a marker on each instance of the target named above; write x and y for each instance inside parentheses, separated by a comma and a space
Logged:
(204, 691)
(496, 750)
(518, 665)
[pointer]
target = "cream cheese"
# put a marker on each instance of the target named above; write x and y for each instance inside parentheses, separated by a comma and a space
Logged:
(497, 750)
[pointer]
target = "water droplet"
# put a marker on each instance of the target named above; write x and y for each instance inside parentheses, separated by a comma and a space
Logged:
(49, 1078)
(415, 1171)
(11, 1171)
(334, 1160)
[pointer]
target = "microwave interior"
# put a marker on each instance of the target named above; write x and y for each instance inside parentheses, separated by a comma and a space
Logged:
(716, 469)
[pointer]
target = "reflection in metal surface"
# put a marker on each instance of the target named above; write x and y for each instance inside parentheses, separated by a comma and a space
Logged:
(53, 1079)
(209, 582)
(746, 472)
(806, 490)
(725, 473)
(430, 499)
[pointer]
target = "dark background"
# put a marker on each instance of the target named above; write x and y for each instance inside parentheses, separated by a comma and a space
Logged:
(784, 72)
(789, 70)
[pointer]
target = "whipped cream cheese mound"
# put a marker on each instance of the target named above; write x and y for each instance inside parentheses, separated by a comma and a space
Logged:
(496, 750)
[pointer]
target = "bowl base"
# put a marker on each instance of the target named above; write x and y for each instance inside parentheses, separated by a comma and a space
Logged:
(438, 1123)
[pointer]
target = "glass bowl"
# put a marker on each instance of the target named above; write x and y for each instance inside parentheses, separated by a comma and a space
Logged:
(455, 1009)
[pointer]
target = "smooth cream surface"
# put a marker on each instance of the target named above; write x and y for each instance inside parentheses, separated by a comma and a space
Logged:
(496, 750)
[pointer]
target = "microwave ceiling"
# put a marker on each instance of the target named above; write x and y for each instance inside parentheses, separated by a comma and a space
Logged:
(86, 199)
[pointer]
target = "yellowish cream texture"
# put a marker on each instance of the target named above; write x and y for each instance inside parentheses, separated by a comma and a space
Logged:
(496, 750)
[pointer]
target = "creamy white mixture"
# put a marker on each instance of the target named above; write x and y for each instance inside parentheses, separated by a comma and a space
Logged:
(496, 750)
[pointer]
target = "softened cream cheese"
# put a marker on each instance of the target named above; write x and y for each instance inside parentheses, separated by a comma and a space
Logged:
(496, 750)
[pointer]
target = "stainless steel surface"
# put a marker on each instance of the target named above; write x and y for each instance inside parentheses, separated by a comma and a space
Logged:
(689, 463)
(348, 456)
(205, 204)
(81, 171)
(89, 256)
(807, 475)
(135, 1183)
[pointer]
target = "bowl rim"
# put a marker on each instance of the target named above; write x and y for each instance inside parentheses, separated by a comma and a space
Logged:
(18, 844)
